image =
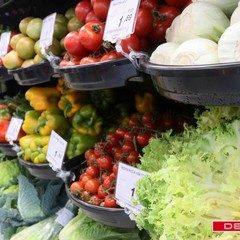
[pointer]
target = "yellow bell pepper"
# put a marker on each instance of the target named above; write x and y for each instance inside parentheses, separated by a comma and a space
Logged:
(144, 103)
(42, 98)
(30, 121)
(71, 102)
(62, 88)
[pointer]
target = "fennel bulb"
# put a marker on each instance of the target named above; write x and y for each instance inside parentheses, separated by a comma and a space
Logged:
(162, 54)
(227, 6)
(229, 44)
(200, 19)
(235, 17)
(195, 51)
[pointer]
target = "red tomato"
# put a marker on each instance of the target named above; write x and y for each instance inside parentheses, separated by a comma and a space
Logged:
(144, 22)
(105, 162)
(92, 160)
(176, 3)
(100, 149)
(112, 139)
(109, 183)
(85, 196)
(88, 60)
(133, 157)
(168, 121)
(100, 8)
(120, 132)
(91, 35)
(130, 43)
(158, 32)
(72, 44)
(128, 146)
(144, 43)
(91, 16)
(149, 4)
(104, 176)
(102, 192)
(187, 3)
(169, 12)
(92, 185)
(110, 202)
(143, 139)
(82, 9)
(115, 168)
(108, 56)
(88, 152)
(119, 155)
(129, 136)
(85, 177)
(76, 188)
(95, 200)
(93, 171)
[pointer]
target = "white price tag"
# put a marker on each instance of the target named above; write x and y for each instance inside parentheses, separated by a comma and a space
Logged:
(4, 43)
(46, 36)
(121, 19)
(127, 178)
(56, 151)
(14, 128)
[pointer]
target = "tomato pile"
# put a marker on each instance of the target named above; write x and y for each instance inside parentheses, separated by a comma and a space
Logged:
(96, 183)
(87, 46)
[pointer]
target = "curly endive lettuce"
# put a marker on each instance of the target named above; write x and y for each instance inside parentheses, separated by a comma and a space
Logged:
(196, 184)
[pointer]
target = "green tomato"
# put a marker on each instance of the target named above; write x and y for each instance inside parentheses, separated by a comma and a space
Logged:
(14, 40)
(25, 48)
(12, 61)
(27, 63)
(37, 59)
(60, 30)
(55, 48)
(34, 28)
(70, 13)
(74, 24)
(60, 18)
(23, 24)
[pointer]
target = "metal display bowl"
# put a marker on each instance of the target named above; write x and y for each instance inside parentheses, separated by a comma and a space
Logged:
(210, 84)
(100, 75)
(8, 149)
(115, 217)
(4, 75)
(43, 171)
(35, 74)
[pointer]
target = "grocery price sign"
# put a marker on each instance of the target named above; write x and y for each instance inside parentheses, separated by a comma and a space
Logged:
(4, 43)
(56, 151)
(127, 178)
(14, 128)
(121, 19)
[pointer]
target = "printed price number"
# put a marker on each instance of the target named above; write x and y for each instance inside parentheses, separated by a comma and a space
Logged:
(56, 151)
(121, 19)
(127, 178)
(14, 128)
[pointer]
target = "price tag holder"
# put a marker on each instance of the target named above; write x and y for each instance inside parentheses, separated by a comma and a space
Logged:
(121, 19)
(14, 128)
(4, 43)
(127, 178)
(47, 31)
(56, 151)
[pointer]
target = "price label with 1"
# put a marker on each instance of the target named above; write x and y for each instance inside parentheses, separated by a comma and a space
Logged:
(121, 19)
(127, 178)
(56, 151)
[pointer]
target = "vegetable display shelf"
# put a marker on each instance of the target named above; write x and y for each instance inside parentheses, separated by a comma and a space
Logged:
(209, 84)
(101, 75)
(4, 75)
(35, 74)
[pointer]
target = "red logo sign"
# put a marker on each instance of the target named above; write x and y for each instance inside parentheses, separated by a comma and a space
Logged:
(226, 226)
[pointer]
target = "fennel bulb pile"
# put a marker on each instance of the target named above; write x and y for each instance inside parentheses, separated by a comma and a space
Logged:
(200, 19)
(197, 180)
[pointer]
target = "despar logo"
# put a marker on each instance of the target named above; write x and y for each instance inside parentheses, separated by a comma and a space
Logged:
(226, 226)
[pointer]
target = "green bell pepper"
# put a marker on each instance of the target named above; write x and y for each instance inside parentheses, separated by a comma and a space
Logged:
(87, 121)
(79, 143)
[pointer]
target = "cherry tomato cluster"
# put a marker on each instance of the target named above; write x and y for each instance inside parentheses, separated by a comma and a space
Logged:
(87, 46)
(96, 184)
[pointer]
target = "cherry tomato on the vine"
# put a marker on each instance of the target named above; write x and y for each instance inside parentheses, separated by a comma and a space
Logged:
(143, 139)
(92, 185)
(108, 56)
(77, 187)
(95, 200)
(88, 60)
(110, 201)
(128, 146)
(93, 171)
(102, 192)
(130, 43)
(133, 157)
(105, 162)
